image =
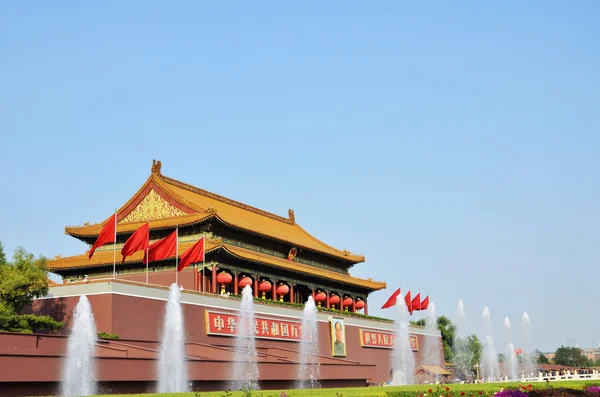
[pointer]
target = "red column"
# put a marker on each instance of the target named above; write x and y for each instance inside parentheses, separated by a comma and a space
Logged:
(366, 308)
(291, 293)
(273, 289)
(327, 300)
(313, 294)
(235, 283)
(256, 286)
(214, 279)
(354, 305)
(342, 302)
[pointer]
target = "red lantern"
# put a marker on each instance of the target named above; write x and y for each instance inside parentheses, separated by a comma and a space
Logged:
(282, 290)
(264, 286)
(333, 300)
(347, 302)
(320, 297)
(360, 304)
(245, 281)
(223, 278)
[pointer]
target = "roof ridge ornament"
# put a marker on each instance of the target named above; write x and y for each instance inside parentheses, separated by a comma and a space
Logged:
(156, 166)
(292, 217)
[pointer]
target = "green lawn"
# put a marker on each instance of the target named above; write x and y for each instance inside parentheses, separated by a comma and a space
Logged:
(413, 390)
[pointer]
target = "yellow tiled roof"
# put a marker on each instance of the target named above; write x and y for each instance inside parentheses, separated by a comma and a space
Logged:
(434, 370)
(105, 258)
(259, 257)
(233, 213)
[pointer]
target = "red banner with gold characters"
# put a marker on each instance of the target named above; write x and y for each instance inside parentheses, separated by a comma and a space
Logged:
(225, 324)
(384, 340)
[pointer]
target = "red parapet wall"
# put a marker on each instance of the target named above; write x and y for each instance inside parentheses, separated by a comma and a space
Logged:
(135, 313)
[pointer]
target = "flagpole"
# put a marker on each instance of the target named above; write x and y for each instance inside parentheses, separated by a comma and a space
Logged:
(115, 249)
(176, 255)
(147, 265)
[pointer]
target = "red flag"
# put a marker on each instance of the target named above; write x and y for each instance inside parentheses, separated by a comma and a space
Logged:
(408, 302)
(391, 300)
(416, 302)
(107, 235)
(425, 303)
(194, 254)
(138, 241)
(162, 249)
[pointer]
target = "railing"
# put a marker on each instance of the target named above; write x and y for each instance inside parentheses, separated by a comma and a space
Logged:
(553, 376)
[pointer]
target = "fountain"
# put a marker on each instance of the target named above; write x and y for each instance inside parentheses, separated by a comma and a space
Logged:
(527, 345)
(403, 361)
(510, 360)
(308, 375)
(172, 369)
(79, 374)
(432, 348)
(460, 315)
(245, 367)
(462, 354)
(490, 367)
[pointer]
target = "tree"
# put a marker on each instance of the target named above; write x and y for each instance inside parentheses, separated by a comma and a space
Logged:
(2, 255)
(542, 359)
(501, 357)
(570, 356)
(468, 355)
(448, 331)
(21, 281)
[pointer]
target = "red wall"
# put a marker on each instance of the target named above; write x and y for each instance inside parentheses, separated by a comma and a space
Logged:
(141, 319)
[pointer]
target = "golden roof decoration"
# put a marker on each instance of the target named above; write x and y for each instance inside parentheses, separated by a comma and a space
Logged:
(195, 205)
(152, 207)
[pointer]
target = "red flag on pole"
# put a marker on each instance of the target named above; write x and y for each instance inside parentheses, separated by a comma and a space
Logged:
(107, 235)
(162, 249)
(194, 254)
(425, 303)
(408, 302)
(391, 300)
(138, 241)
(416, 302)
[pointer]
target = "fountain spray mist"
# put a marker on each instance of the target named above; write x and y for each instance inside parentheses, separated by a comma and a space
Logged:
(79, 374)
(433, 346)
(490, 366)
(527, 344)
(245, 367)
(172, 366)
(462, 353)
(510, 359)
(308, 374)
(403, 361)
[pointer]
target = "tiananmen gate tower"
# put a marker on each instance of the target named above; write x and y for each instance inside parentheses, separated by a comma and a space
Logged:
(282, 263)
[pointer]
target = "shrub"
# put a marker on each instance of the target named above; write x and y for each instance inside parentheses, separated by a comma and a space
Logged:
(106, 335)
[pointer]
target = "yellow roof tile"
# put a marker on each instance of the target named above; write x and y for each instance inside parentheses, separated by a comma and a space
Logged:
(205, 204)
(105, 258)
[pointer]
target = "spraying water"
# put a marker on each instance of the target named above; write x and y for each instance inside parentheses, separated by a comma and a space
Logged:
(527, 344)
(172, 368)
(462, 353)
(461, 315)
(490, 366)
(245, 367)
(432, 348)
(403, 363)
(79, 374)
(308, 374)
(510, 361)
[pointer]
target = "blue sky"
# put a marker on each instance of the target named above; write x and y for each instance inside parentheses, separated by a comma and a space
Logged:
(455, 145)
